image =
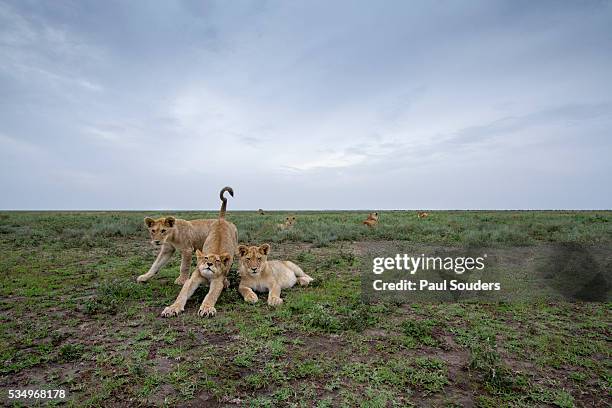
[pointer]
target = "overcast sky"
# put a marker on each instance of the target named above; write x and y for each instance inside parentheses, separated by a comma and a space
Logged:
(306, 105)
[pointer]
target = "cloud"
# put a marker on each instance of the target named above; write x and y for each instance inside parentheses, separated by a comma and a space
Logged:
(305, 100)
(564, 115)
(12, 147)
(250, 140)
(34, 50)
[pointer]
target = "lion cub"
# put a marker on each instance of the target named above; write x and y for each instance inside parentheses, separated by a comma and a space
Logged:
(214, 262)
(372, 219)
(257, 273)
(170, 234)
(422, 214)
(288, 224)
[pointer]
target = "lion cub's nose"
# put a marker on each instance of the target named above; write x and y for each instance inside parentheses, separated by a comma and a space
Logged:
(254, 269)
(209, 263)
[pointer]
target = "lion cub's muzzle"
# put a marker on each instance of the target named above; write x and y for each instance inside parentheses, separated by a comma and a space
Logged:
(205, 270)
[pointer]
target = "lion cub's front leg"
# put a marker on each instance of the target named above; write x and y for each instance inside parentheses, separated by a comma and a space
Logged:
(248, 294)
(207, 309)
(186, 256)
(186, 291)
(274, 298)
(165, 253)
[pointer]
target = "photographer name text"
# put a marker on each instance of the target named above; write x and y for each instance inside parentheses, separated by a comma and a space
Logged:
(412, 264)
(423, 284)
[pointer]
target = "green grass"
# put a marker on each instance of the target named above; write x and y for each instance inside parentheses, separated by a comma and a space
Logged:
(72, 316)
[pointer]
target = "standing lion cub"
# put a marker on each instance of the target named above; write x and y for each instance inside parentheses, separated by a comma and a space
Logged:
(170, 234)
(257, 273)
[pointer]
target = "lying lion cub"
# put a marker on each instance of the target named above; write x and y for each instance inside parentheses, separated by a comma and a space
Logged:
(288, 224)
(257, 273)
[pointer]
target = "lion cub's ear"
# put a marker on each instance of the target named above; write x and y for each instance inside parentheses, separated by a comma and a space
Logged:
(169, 221)
(264, 249)
(199, 254)
(149, 221)
(242, 250)
(225, 258)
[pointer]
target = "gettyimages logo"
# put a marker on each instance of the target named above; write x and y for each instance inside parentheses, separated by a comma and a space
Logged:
(413, 264)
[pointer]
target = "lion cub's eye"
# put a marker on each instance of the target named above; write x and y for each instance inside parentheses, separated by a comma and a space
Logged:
(248, 258)
(163, 231)
(258, 258)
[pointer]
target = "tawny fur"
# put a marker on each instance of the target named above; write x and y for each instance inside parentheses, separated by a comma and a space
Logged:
(372, 219)
(259, 274)
(172, 234)
(288, 224)
(214, 262)
(422, 214)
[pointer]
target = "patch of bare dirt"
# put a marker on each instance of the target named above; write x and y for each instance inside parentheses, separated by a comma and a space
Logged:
(376, 333)
(161, 396)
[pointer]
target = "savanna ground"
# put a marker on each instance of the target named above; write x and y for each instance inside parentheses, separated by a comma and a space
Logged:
(73, 317)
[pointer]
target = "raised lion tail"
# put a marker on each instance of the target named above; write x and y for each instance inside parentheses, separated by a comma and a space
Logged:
(224, 200)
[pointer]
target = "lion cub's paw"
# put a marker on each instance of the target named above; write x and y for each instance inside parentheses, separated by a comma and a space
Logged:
(275, 301)
(226, 283)
(251, 297)
(207, 311)
(142, 278)
(304, 280)
(171, 311)
(181, 280)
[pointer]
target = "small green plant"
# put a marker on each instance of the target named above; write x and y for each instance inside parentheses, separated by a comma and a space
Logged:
(420, 332)
(320, 318)
(428, 373)
(71, 352)
(485, 359)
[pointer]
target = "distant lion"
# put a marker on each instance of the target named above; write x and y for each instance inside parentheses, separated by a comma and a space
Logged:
(261, 212)
(288, 224)
(372, 219)
(422, 214)
(259, 274)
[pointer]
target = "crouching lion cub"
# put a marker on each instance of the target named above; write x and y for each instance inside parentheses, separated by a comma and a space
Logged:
(257, 273)
(214, 262)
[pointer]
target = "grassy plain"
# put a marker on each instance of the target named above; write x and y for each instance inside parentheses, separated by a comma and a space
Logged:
(73, 317)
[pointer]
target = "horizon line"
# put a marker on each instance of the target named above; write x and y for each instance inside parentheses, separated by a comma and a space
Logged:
(305, 210)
